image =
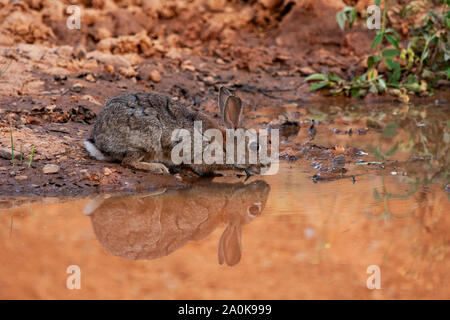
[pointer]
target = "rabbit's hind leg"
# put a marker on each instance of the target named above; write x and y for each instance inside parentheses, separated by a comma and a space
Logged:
(134, 161)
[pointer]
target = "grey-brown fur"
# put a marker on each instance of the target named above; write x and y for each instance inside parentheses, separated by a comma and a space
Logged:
(136, 129)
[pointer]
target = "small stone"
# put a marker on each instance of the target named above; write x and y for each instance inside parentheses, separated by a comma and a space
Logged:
(107, 171)
(77, 87)
(187, 65)
(109, 68)
(271, 4)
(5, 153)
(306, 71)
(128, 72)
(220, 61)
(21, 177)
(90, 78)
(84, 173)
(50, 168)
(155, 76)
(173, 54)
(208, 79)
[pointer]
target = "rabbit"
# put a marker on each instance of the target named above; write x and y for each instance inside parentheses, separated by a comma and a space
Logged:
(153, 225)
(136, 129)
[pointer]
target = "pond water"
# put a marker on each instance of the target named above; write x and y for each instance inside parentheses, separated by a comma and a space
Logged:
(272, 237)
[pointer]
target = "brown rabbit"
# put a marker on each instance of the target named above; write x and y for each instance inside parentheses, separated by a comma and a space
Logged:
(150, 226)
(136, 129)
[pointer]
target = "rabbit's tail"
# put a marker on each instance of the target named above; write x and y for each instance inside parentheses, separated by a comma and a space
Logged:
(94, 152)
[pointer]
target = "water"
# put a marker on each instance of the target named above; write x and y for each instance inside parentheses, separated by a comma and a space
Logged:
(274, 237)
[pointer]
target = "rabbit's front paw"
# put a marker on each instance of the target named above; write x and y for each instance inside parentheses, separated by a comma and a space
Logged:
(157, 168)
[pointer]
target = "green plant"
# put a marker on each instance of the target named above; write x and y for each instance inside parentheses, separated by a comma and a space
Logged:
(430, 44)
(21, 152)
(389, 131)
(348, 14)
(411, 70)
(31, 157)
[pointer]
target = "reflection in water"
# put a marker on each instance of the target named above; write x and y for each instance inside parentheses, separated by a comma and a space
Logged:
(154, 225)
(314, 240)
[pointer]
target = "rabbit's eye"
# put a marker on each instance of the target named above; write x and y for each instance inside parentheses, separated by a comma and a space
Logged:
(253, 146)
(254, 210)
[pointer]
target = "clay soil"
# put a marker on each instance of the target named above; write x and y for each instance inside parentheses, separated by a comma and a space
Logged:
(58, 78)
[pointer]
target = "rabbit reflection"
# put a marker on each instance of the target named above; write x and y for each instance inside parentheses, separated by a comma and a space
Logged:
(149, 226)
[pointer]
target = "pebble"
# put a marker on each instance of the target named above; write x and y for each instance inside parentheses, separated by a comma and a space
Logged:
(5, 153)
(107, 171)
(208, 79)
(90, 78)
(128, 72)
(50, 168)
(77, 87)
(155, 76)
(187, 65)
(21, 177)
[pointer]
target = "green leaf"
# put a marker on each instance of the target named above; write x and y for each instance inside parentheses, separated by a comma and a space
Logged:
(392, 150)
(376, 152)
(372, 61)
(392, 64)
(382, 84)
(390, 53)
(319, 85)
(340, 17)
(395, 66)
(389, 130)
(346, 14)
(392, 31)
(377, 2)
(355, 93)
(334, 78)
(392, 40)
(376, 195)
(376, 40)
(316, 76)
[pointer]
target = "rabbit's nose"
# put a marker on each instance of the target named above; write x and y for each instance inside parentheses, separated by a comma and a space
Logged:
(254, 210)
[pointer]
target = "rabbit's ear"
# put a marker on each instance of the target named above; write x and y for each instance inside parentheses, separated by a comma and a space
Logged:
(232, 112)
(224, 93)
(230, 248)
